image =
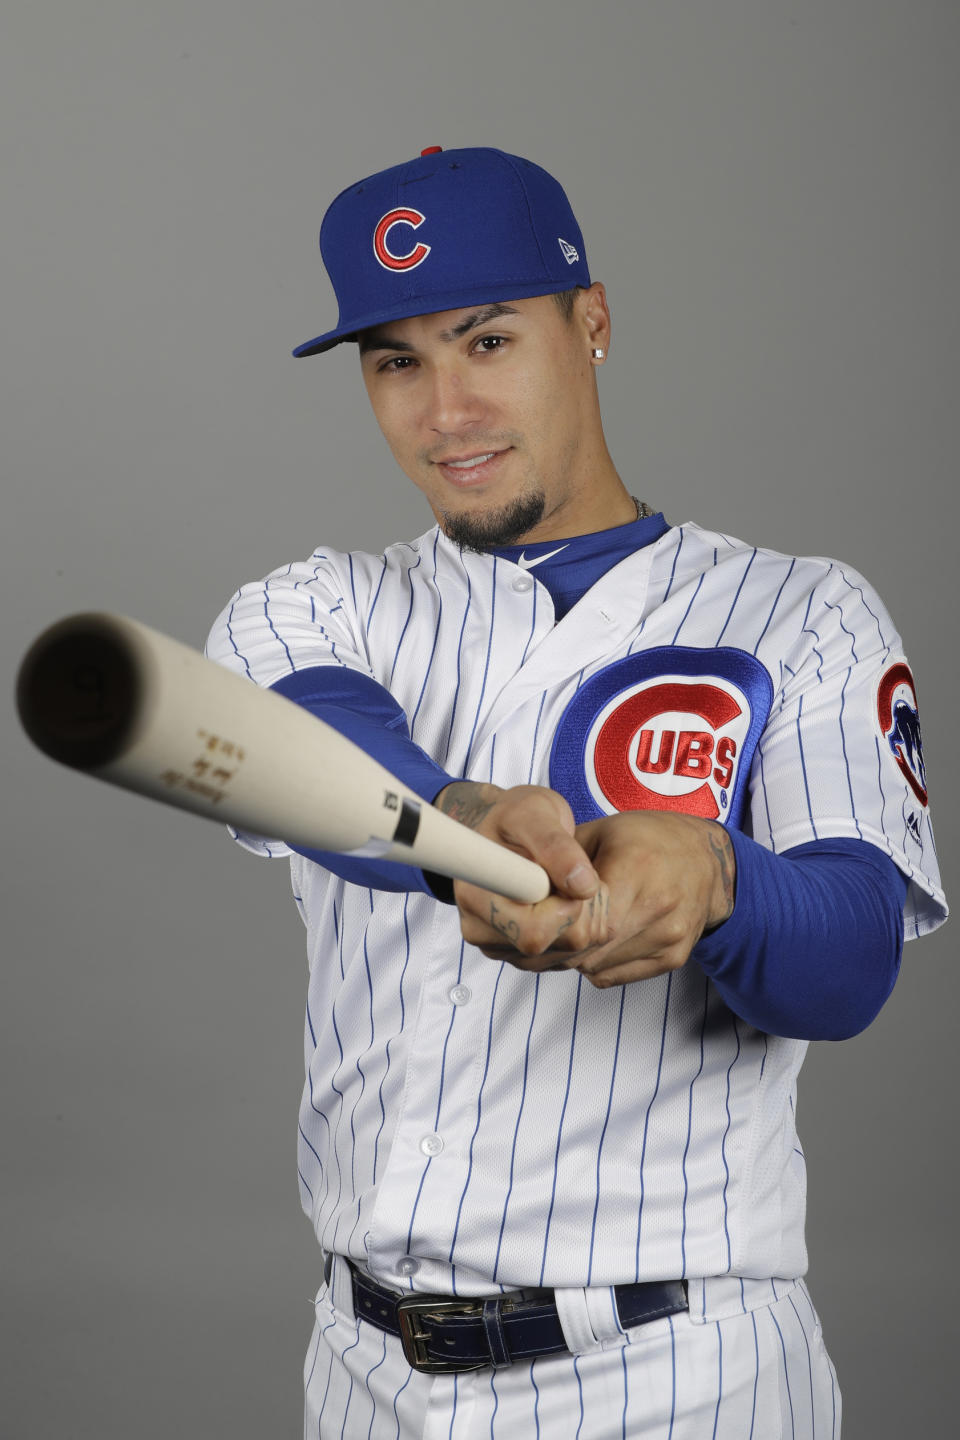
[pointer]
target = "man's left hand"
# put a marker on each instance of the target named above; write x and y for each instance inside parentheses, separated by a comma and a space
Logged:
(667, 879)
(670, 879)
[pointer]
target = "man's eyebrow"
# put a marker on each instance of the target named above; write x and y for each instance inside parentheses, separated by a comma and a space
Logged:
(377, 340)
(380, 340)
(479, 317)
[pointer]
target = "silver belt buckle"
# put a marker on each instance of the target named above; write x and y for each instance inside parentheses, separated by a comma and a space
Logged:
(412, 1313)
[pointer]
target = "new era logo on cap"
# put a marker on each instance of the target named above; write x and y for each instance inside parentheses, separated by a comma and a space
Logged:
(570, 252)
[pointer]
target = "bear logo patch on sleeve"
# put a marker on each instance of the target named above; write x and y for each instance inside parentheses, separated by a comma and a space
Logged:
(899, 720)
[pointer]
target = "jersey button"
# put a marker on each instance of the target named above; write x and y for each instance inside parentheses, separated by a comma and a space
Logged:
(523, 583)
(461, 994)
(431, 1144)
(408, 1266)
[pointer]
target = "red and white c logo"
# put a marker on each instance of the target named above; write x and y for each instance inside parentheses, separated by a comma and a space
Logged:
(671, 743)
(386, 257)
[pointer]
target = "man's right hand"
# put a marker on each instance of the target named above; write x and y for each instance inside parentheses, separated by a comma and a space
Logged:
(536, 822)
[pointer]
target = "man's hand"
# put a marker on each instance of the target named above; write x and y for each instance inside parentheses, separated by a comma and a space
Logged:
(671, 878)
(538, 823)
(650, 884)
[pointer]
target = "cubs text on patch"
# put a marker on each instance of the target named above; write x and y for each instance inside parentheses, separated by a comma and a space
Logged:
(672, 728)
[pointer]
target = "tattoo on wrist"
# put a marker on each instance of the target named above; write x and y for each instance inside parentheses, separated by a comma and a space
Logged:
(722, 848)
(467, 801)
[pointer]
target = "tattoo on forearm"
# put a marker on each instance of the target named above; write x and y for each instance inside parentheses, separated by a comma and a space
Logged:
(722, 848)
(467, 801)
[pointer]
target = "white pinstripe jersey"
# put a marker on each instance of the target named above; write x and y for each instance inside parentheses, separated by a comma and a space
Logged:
(467, 1126)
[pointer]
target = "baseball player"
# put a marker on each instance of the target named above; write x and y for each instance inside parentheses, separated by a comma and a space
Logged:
(549, 1151)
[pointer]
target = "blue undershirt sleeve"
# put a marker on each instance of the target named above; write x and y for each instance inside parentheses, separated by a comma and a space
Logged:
(812, 949)
(366, 713)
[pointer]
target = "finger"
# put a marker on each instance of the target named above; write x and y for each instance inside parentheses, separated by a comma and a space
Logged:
(536, 830)
(489, 921)
(578, 932)
(619, 965)
(626, 974)
(603, 926)
(566, 863)
(572, 944)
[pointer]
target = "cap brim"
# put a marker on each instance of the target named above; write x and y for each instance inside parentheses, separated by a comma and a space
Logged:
(323, 342)
(485, 294)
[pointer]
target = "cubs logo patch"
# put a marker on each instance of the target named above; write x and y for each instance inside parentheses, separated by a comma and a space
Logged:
(899, 719)
(389, 258)
(668, 729)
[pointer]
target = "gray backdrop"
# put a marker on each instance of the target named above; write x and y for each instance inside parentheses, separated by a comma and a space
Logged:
(769, 190)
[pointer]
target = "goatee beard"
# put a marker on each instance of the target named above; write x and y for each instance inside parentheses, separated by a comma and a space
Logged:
(506, 526)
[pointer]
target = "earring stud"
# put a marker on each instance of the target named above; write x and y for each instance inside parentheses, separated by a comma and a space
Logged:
(598, 354)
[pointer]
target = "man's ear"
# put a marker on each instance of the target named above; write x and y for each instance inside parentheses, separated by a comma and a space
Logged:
(595, 317)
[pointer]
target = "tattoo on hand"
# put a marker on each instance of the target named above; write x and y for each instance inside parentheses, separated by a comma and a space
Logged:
(466, 801)
(722, 848)
(509, 929)
(600, 901)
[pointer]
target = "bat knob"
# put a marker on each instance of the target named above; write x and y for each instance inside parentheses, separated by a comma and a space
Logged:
(78, 691)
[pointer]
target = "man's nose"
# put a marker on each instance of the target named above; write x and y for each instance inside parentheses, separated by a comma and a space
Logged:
(453, 404)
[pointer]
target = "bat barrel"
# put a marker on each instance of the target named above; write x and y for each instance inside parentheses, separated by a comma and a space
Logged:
(106, 695)
(80, 689)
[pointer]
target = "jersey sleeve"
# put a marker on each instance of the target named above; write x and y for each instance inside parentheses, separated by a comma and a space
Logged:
(293, 620)
(297, 618)
(841, 754)
(296, 633)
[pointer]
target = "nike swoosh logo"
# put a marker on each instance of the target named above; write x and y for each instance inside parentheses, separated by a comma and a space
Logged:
(526, 564)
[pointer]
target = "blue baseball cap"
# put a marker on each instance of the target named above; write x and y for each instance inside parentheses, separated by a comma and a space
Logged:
(448, 229)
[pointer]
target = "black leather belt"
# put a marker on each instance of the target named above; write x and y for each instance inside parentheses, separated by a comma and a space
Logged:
(443, 1334)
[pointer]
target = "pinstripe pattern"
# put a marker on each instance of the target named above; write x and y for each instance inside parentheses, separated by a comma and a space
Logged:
(467, 1127)
(761, 1372)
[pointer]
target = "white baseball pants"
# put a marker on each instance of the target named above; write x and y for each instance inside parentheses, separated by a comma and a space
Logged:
(747, 1362)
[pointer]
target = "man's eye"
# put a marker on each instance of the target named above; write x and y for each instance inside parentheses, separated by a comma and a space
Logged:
(396, 363)
(490, 343)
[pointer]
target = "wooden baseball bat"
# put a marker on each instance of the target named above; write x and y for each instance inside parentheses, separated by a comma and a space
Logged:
(124, 703)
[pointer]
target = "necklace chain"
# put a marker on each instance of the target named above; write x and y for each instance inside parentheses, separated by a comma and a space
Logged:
(643, 509)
